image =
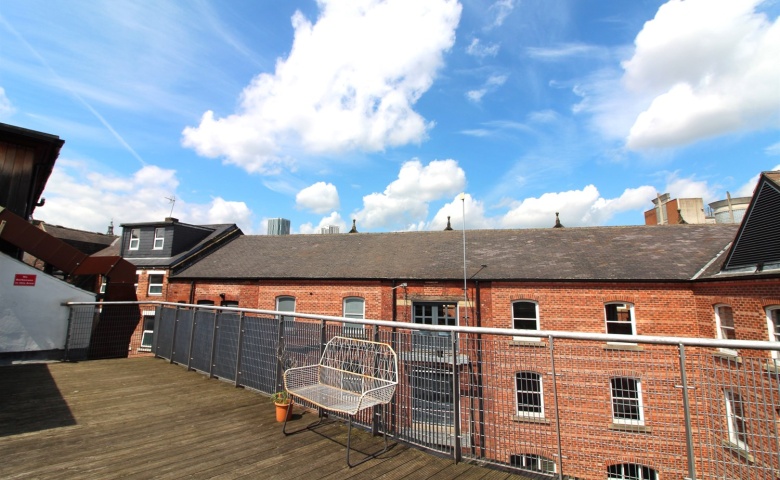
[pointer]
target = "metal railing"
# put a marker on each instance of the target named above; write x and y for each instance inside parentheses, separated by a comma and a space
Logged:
(553, 404)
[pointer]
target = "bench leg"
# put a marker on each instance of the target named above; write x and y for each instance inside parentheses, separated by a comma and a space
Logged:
(307, 427)
(349, 447)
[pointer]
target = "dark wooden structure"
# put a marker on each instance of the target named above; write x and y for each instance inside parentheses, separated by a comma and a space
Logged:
(26, 160)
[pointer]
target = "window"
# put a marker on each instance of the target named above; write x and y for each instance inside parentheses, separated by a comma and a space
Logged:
(529, 395)
(627, 401)
(205, 302)
(135, 239)
(631, 471)
(525, 316)
(724, 324)
(156, 283)
(354, 307)
(735, 416)
(620, 318)
(535, 463)
(147, 337)
(773, 324)
(137, 278)
(286, 304)
(103, 280)
(159, 238)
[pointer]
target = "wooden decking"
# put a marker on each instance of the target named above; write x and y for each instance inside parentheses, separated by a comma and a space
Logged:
(144, 418)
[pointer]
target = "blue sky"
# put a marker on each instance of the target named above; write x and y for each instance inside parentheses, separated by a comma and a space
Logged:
(385, 111)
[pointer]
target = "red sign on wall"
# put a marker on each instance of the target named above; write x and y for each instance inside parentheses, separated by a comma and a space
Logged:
(24, 280)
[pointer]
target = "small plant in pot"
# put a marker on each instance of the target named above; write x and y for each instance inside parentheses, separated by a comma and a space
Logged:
(283, 403)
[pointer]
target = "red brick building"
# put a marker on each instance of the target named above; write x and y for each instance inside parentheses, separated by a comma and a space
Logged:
(614, 399)
(158, 250)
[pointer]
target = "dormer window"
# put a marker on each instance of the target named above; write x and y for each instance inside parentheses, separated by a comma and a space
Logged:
(135, 239)
(159, 238)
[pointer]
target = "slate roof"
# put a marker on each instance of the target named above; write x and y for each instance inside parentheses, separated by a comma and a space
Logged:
(86, 242)
(634, 253)
(220, 232)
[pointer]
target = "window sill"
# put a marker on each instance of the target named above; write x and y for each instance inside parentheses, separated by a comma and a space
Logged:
(728, 356)
(631, 347)
(528, 343)
(739, 451)
(630, 427)
(523, 419)
(772, 367)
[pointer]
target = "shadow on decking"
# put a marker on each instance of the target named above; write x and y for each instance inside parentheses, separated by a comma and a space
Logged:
(30, 400)
(144, 418)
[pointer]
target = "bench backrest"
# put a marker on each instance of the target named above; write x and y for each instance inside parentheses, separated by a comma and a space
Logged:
(358, 365)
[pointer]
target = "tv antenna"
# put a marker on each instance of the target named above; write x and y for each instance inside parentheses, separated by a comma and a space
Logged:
(171, 199)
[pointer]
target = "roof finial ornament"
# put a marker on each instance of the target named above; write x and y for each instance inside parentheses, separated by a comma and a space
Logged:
(354, 228)
(558, 223)
(110, 228)
(449, 225)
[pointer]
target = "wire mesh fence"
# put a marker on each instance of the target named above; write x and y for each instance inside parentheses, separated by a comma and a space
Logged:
(554, 406)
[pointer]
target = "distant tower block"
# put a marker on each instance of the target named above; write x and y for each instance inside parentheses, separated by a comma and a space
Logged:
(278, 226)
(330, 229)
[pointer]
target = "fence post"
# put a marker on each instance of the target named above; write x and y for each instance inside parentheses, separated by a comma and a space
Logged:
(240, 347)
(67, 337)
(379, 409)
(557, 411)
(687, 414)
(456, 453)
(173, 336)
(192, 338)
(280, 354)
(213, 352)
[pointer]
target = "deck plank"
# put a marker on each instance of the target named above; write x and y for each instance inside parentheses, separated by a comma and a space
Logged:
(144, 418)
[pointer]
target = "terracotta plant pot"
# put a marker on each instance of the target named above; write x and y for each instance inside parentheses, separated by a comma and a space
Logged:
(283, 410)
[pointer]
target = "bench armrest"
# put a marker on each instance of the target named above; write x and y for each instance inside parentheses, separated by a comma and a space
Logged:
(297, 377)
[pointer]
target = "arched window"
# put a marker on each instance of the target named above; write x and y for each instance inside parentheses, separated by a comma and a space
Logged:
(286, 304)
(735, 418)
(773, 325)
(724, 326)
(530, 396)
(620, 318)
(354, 307)
(627, 401)
(631, 471)
(533, 462)
(525, 316)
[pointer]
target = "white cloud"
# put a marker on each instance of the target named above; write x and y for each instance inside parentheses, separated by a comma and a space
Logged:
(747, 189)
(501, 9)
(476, 95)
(319, 198)
(576, 207)
(711, 67)
(405, 201)
(477, 49)
(468, 209)
(491, 84)
(350, 83)
(689, 188)
(773, 149)
(6, 109)
(563, 51)
(78, 197)
(333, 219)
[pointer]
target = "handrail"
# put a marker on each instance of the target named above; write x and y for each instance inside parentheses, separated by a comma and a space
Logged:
(605, 337)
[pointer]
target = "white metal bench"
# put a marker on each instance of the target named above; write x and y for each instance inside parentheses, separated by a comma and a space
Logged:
(352, 375)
